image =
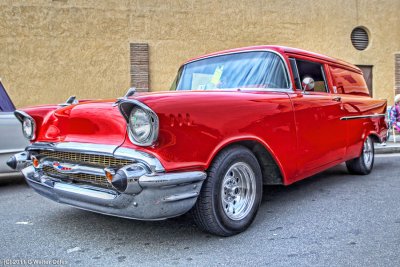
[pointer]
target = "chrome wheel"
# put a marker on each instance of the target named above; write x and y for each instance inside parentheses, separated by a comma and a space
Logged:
(231, 195)
(238, 191)
(368, 152)
(364, 163)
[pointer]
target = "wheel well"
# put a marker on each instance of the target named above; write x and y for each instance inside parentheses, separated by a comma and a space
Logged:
(269, 168)
(375, 138)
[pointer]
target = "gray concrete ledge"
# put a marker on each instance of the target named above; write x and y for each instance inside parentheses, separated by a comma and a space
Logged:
(390, 147)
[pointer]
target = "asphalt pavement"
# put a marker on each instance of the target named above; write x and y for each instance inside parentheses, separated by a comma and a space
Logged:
(331, 219)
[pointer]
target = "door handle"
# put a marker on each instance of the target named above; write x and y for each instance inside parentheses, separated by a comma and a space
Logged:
(337, 99)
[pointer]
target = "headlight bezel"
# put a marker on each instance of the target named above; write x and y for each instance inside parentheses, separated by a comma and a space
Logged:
(22, 117)
(127, 107)
(28, 128)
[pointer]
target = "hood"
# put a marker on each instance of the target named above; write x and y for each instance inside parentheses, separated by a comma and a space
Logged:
(98, 122)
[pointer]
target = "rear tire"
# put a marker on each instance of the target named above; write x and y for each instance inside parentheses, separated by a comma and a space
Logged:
(364, 163)
(231, 194)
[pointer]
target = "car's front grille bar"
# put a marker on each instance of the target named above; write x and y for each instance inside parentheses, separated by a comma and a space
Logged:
(99, 160)
(87, 167)
(97, 154)
(78, 177)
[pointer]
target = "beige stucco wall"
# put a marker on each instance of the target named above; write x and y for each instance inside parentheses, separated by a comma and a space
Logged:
(50, 50)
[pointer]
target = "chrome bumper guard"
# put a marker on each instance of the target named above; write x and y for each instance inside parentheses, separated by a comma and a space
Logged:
(157, 195)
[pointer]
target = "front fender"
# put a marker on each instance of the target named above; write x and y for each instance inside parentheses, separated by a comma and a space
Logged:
(195, 126)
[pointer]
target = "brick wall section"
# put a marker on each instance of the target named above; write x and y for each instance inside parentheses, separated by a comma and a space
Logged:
(397, 73)
(139, 58)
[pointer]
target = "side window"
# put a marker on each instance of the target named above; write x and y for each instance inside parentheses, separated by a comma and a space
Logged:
(308, 69)
(5, 102)
(348, 82)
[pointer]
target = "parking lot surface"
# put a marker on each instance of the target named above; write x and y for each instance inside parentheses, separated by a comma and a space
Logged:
(331, 219)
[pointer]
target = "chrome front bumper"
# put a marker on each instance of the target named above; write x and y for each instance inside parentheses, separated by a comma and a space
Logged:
(162, 195)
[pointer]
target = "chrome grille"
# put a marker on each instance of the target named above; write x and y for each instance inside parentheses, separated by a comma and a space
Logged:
(101, 160)
(84, 159)
(79, 177)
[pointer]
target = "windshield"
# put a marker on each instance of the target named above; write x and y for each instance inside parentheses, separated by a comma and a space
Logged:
(240, 70)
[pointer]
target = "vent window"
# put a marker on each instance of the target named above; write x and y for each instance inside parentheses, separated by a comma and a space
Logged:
(360, 38)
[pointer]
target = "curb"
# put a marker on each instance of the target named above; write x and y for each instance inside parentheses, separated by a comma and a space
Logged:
(387, 149)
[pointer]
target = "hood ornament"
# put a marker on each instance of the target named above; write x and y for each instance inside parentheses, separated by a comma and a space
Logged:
(131, 91)
(70, 101)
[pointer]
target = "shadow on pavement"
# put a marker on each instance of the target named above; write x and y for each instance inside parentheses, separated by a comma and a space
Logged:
(11, 179)
(127, 230)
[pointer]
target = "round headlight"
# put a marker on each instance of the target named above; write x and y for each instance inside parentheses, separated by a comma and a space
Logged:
(140, 124)
(28, 128)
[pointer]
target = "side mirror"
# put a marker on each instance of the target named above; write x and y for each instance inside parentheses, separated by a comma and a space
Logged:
(308, 84)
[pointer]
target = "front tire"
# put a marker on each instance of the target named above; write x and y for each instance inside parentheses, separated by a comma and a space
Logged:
(231, 194)
(364, 163)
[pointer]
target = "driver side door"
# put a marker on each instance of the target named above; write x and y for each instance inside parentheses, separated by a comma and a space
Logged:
(321, 135)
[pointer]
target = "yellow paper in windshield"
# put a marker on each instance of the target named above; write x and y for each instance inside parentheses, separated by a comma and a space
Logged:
(217, 75)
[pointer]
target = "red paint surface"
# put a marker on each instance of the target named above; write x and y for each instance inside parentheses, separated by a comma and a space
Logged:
(303, 132)
(98, 122)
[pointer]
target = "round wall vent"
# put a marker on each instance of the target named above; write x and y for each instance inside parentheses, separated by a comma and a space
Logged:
(360, 38)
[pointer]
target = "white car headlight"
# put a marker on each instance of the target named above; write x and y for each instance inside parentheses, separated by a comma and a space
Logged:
(143, 127)
(28, 128)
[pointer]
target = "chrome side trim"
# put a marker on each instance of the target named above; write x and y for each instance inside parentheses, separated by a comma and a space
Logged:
(168, 179)
(361, 117)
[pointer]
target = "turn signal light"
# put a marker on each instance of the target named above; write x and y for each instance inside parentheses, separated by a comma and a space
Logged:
(35, 162)
(109, 174)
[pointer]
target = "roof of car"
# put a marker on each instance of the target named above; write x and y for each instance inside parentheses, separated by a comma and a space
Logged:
(280, 49)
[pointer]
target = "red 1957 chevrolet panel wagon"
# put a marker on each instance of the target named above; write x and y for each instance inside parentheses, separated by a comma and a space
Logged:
(232, 121)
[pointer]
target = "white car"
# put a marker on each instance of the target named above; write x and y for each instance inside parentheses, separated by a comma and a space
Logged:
(11, 137)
